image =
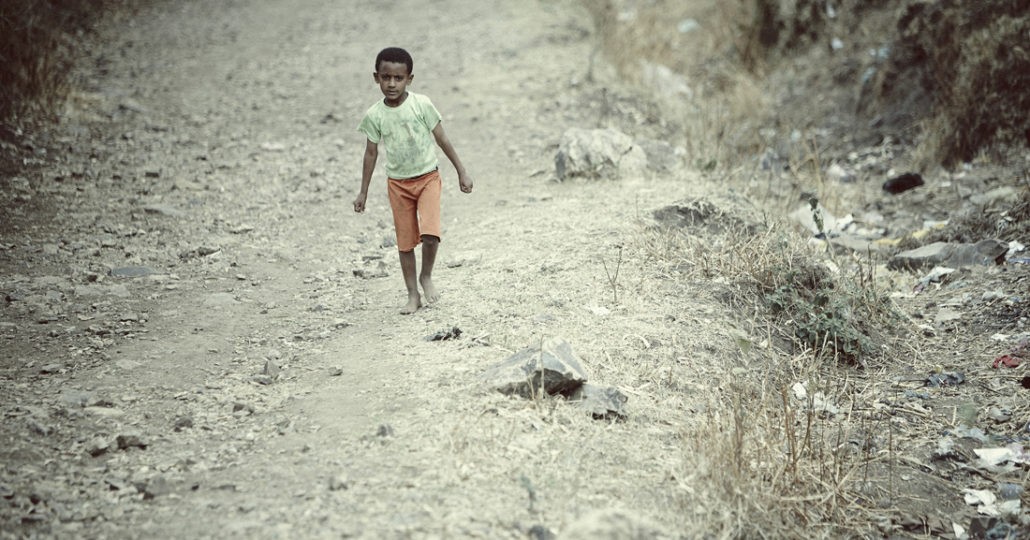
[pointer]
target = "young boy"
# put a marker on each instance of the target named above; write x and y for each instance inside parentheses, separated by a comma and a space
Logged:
(406, 124)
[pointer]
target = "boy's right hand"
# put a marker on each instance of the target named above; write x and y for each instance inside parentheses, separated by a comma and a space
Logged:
(359, 202)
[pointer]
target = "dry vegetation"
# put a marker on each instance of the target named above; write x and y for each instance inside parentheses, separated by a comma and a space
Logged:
(34, 40)
(776, 463)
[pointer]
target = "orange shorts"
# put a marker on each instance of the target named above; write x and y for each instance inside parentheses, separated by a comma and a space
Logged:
(416, 208)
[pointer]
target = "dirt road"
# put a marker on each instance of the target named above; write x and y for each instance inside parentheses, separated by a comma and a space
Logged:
(207, 339)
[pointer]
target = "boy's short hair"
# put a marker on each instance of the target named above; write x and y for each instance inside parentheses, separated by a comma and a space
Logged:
(395, 54)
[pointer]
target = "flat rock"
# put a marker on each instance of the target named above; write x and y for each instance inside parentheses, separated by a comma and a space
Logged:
(132, 271)
(984, 252)
(1003, 194)
(716, 214)
(551, 367)
(162, 210)
(855, 243)
(77, 398)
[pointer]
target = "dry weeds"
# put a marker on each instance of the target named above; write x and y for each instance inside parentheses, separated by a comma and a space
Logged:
(764, 458)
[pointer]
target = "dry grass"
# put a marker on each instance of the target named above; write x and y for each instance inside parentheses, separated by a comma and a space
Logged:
(723, 104)
(37, 46)
(763, 461)
(985, 105)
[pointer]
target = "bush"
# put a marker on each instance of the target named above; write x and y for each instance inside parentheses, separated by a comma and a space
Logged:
(960, 67)
(36, 44)
(833, 316)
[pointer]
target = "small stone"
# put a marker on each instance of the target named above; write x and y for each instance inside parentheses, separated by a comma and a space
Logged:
(105, 412)
(98, 446)
(38, 427)
(240, 407)
(182, 422)
(162, 210)
(1009, 492)
(338, 483)
(902, 183)
(839, 174)
(271, 369)
(384, 430)
(539, 532)
(335, 372)
(130, 440)
(601, 402)
(156, 487)
(445, 334)
(998, 415)
(262, 379)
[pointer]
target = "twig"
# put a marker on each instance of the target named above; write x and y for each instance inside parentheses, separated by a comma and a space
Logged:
(614, 279)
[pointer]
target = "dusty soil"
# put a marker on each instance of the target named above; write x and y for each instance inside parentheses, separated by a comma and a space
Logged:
(258, 381)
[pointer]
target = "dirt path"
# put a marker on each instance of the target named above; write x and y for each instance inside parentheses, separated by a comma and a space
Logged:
(263, 364)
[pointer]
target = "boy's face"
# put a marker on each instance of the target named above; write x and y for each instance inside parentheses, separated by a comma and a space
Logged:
(393, 79)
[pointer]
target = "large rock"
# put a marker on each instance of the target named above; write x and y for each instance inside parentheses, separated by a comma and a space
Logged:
(598, 153)
(551, 367)
(987, 252)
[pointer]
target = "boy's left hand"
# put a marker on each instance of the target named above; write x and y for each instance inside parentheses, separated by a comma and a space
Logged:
(465, 182)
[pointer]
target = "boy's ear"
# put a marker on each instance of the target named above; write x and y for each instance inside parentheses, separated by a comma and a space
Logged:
(375, 76)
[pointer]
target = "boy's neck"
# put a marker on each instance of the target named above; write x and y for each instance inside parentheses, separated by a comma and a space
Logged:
(399, 101)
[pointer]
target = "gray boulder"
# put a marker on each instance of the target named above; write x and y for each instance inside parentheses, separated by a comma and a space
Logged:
(598, 154)
(551, 367)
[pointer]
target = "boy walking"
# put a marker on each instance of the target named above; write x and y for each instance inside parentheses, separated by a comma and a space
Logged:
(406, 124)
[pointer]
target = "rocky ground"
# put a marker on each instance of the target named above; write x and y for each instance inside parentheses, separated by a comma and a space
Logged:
(200, 337)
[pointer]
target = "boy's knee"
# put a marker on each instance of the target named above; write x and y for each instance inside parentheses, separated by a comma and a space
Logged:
(428, 238)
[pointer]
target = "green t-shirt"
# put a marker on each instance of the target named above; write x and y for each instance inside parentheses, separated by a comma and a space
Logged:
(406, 133)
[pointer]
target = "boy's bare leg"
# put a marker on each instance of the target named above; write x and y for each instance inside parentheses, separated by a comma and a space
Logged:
(425, 278)
(408, 270)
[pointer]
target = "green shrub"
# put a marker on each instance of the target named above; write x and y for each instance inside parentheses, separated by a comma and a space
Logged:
(827, 314)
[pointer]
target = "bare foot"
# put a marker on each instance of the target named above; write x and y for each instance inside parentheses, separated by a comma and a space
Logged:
(414, 302)
(427, 287)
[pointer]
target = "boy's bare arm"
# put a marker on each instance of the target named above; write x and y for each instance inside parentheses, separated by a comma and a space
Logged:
(464, 180)
(367, 166)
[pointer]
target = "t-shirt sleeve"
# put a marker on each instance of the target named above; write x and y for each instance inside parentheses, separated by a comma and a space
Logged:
(430, 115)
(370, 127)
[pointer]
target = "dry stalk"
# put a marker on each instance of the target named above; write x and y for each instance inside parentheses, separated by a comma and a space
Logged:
(613, 277)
